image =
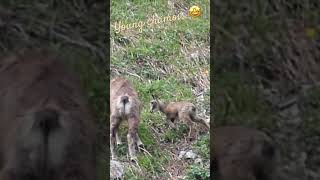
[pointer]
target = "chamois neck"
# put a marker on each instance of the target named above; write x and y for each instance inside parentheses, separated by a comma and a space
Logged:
(162, 106)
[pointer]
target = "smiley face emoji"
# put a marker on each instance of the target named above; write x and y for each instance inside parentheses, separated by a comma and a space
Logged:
(194, 11)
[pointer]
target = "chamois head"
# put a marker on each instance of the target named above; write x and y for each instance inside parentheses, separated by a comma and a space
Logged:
(154, 104)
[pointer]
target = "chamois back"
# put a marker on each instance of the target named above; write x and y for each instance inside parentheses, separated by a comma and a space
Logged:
(121, 90)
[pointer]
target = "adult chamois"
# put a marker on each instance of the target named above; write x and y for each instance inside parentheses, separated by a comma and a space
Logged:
(46, 129)
(124, 105)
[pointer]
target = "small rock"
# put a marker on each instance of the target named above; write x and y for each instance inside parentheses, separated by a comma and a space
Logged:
(181, 154)
(116, 170)
(198, 161)
(190, 155)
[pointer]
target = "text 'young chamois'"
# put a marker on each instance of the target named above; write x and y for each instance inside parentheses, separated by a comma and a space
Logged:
(124, 105)
(241, 153)
(46, 130)
(176, 111)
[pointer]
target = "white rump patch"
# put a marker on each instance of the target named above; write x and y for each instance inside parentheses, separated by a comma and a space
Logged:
(124, 109)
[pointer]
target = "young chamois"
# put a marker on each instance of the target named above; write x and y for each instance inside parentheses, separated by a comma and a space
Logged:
(241, 153)
(46, 129)
(124, 105)
(176, 111)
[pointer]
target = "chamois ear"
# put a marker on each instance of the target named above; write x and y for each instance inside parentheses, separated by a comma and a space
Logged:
(154, 97)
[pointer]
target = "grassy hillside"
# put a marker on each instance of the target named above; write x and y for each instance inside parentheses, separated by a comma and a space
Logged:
(170, 60)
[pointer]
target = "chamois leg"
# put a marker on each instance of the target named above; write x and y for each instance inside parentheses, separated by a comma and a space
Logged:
(118, 139)
(139, 141)
(197, 119)
(133, 137)
(186, 118)
(171, 124)
(191, 129)
(114, 124)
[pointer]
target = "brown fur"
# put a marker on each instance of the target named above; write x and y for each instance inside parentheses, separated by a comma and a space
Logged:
(124, 105)
(242, 154)
(176, 111)
(46, 130)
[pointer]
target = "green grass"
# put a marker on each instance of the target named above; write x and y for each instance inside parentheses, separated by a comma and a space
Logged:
(158, 61)
(202, 146)
(197, 172)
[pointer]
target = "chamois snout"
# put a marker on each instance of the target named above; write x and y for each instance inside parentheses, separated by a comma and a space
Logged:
(154, 106)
